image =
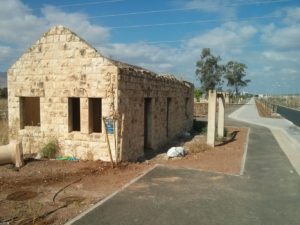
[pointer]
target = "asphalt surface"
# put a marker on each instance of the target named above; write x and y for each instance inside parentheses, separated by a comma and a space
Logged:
(290, 114)
(286, 133)
(268, 193)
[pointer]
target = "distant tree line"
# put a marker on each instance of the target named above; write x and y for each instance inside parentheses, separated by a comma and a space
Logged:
(3, 92)
(212, 73)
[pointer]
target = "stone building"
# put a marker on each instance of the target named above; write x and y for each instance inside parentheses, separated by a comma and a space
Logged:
(61, 88)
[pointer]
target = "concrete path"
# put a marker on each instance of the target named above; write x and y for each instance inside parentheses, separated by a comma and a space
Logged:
(267, 194)
(286, 133)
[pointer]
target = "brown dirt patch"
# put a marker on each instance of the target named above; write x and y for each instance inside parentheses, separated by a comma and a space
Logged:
(21, 195)
(225, 158)
(96, 180)
(46, 177)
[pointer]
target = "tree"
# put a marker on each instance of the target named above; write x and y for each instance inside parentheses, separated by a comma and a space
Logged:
(235, 73)
(209, 71)
(198, 94)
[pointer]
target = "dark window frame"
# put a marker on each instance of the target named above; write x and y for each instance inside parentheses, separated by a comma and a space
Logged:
(30, 112)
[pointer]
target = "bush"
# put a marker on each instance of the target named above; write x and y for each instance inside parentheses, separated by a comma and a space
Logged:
(198, 94)
(49, 150)
(3, 93)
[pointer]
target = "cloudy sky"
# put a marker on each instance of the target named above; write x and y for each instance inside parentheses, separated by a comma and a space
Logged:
(167, 36)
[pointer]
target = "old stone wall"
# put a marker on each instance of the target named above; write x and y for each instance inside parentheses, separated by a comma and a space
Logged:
(200, 109)
(137, 85)
(57, 67)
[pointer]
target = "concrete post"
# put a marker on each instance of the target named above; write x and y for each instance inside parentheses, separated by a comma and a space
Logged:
(221, 116)
(211, 123)
(226, 98)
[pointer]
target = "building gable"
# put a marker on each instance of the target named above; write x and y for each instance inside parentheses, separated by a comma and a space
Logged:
(58, 56)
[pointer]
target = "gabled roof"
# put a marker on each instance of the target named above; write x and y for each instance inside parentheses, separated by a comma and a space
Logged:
(135, 70)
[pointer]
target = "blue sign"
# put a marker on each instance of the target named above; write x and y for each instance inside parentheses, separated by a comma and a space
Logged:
(109, 123)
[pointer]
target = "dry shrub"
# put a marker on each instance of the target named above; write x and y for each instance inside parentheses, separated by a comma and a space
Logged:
(198, 144)
(3, 132)
(3, 123)
(89, 155)
(3, 104)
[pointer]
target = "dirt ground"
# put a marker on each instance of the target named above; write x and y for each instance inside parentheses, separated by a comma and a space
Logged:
(224, 158)
(264, 111)
(52, 192)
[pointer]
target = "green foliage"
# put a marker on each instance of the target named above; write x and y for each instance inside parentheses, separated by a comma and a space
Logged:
(209, 71)
(50, 149)
(235, 73)
(198, 93)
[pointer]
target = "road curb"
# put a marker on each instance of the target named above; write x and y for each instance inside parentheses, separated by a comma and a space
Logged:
(245, 153)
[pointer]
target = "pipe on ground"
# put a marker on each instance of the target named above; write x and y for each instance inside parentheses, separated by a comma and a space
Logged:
(11, 153)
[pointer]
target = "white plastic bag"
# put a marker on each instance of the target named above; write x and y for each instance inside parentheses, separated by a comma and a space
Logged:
(176, 152)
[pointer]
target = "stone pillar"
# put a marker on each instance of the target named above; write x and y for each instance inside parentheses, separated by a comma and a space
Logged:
(221, 115)
(84, 115)
(211, 121)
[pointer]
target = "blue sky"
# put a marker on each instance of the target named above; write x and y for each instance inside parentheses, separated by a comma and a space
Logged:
(168, 36)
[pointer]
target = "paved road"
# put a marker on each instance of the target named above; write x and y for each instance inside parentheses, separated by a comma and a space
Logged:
(289, 113)
(267, 194)
(286, 133)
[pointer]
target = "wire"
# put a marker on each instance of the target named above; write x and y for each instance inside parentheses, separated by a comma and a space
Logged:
(183, 9)
(90, 3)
(84, 4)
(195, 21)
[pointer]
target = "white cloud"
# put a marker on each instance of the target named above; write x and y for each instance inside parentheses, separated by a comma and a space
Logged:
(154, 57)
(77, 22)
(283, 38)
(222, 7)
(227, 39)
(19, 26)
(292, 15)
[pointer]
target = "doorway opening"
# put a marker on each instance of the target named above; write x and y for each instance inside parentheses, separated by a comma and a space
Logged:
(168, 119)
(147, 124)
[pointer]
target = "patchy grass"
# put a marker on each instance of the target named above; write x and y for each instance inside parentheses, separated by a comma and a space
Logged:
(198, 144)
(3, 123)
(50, 149)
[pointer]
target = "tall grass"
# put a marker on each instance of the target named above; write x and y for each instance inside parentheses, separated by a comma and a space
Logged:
(3, 123)
(3, 132)
(289, 101)
(3, 104)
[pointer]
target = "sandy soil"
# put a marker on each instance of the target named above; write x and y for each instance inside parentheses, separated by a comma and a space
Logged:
(35, 194)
